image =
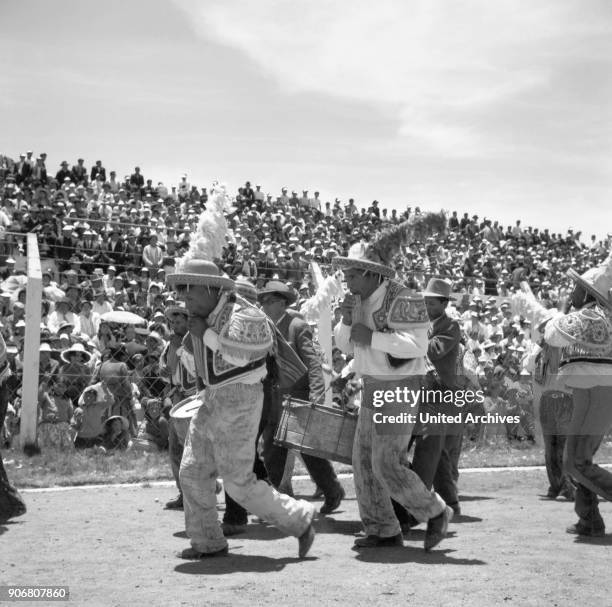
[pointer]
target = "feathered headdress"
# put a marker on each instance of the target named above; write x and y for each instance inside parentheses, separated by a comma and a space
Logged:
(197, 266)
(208, 239)
(377, 255)
(597, 281)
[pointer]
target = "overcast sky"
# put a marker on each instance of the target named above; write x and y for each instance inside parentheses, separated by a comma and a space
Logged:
(499, 108)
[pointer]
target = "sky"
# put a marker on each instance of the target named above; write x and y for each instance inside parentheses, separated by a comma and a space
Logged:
(501, 109)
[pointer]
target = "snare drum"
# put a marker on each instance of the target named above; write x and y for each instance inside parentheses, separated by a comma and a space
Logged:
(317, 430)
(182, 413)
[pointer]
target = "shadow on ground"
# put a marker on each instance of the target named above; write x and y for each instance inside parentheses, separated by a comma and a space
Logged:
(237, 563)
(410, 554)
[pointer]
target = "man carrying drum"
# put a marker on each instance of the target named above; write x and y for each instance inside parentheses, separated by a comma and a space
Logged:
(275, 298)
(384, 326)
(230, 344)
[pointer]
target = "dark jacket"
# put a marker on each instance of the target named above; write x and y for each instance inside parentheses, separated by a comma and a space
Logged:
(299, 336)
(443, 349)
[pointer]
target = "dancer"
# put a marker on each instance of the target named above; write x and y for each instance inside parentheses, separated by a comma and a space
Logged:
(230, 344)
(384, 326)
(584, 335)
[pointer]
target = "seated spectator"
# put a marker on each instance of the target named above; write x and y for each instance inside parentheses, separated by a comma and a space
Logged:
(116, 378)
(116, 435)
(88, 419)
(153, 430)
(76, 372)
(55, 413)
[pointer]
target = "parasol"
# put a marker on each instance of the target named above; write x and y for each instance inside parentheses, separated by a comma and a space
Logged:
(122, 317)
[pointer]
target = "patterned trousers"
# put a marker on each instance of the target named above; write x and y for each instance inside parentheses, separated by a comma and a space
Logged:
(221, 441)
(380, 466)
(591, 419)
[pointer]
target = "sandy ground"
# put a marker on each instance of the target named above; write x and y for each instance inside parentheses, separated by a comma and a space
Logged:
(116, 546)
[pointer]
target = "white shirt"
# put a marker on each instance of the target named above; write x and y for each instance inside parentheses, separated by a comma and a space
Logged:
(372, 360)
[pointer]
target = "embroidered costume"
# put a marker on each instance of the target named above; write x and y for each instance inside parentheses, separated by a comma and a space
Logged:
(395, 358)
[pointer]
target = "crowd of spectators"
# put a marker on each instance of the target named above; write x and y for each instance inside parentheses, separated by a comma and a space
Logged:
(107, 242)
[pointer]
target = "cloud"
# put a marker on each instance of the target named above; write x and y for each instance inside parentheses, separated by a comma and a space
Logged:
(444, 70)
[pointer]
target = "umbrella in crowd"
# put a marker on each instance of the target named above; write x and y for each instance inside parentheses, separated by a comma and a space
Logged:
(122, 317)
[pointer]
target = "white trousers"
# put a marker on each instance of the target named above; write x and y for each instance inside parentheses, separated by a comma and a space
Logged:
(221, 441)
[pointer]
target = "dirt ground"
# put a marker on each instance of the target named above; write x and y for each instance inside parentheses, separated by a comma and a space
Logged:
(116, 546)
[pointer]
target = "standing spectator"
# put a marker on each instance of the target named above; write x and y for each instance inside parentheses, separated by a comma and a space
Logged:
(63, 173)
(79, 172)
(137, 180)
(98, 171)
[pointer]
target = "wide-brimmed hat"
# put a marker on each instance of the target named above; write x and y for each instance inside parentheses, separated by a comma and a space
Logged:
(363, 257)
(280, 288)
(178, 308)
(438, 287)
(75, 349)
(597, 281)
(246, 288)
(125, 424)
(200, 272)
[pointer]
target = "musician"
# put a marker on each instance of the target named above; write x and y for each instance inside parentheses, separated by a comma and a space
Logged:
(384, 326)
(434, 441)
(178, 365)
(584, 335)
(230, 341)
(275, 299)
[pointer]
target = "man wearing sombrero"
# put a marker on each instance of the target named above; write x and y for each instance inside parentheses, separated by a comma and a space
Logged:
(585, 369)
(230, 341)
(384, 326)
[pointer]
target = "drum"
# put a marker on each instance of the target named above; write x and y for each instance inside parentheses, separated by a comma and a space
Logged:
(182, 413)
(317, 430)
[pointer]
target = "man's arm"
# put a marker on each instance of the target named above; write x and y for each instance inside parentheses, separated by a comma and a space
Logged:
(444, 342)
(401, 344)
(342, 337)
(306, 351)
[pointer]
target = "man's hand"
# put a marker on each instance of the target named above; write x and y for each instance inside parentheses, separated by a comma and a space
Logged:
(197, 326)
(361, 335)
(346, 308)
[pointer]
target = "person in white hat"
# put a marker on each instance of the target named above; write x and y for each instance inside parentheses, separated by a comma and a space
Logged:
(230, 343)
(384, 326)
(584, 335)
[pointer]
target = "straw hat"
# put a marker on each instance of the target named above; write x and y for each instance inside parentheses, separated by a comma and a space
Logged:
(75, 349)
(178, 308)
(438, 287)
(246, 288)
(125, 425)
(280, 288)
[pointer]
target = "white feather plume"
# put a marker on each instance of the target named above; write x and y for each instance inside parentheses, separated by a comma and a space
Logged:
(209, 238)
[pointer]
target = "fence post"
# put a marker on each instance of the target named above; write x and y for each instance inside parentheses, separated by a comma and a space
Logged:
(29, 386)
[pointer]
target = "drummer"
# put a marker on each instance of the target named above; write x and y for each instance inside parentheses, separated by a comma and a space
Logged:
(384, 326)
(177, 364)
(230, 341)
(275, 299)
